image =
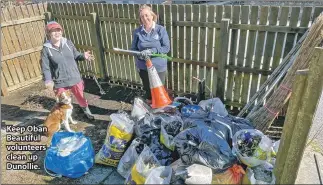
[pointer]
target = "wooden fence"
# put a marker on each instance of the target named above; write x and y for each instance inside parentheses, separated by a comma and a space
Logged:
(235, 48)
(22, 37)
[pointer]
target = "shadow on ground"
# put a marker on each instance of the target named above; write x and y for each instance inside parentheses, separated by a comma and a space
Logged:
(113, 91)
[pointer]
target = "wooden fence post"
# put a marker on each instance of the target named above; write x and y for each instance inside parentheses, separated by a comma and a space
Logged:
(289, 124)
(96, 42)
(48, 17)
(223, 60)
(312, 93)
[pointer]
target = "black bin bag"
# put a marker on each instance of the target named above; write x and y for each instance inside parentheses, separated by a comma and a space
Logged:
(204, 145)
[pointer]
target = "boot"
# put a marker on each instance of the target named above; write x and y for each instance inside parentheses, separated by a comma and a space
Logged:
(88, 113)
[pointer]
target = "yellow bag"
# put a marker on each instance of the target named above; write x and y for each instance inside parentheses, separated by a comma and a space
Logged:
(118, 135)
(141, 169)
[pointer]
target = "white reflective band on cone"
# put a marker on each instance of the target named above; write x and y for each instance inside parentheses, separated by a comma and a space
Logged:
(154, 80)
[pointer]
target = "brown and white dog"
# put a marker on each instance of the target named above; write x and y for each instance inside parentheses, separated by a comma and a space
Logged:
(60, 114)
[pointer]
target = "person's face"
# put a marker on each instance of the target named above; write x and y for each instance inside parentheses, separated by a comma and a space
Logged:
(146, 17)
(55, 34)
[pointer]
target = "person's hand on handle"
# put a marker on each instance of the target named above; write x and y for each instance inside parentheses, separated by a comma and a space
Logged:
(88, 56)
(145, 54)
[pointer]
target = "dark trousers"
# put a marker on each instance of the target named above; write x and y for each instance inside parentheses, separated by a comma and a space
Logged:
(145, 81)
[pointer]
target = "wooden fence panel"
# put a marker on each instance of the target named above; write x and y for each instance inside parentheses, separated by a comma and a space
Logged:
(277, 58)
(25, 44)
(195, 47)
(255, 48)
(174, 47)
(290, 40)
(217, 47)
(181, 50)
(269, 43)
(209, 80)
(235, 17)
(105, 38)
(113, 62)
(305, 19)
(241, 54)
(201, 71)
(188, 51)
(127, 44)
(259, 49)
(22, 31)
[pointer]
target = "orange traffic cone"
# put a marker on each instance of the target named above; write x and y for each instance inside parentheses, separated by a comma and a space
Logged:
(159, 95)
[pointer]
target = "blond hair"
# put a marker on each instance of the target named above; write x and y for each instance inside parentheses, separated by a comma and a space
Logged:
(150, 10)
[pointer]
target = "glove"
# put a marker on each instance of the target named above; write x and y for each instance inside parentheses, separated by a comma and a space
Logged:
(145, 54)
(49, 85)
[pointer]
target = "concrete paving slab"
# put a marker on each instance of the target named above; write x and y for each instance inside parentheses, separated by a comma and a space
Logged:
(96, 174)
(308, 173)
(114, 178)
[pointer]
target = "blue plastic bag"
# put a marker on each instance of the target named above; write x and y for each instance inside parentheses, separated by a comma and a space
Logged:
(193, 111)
(70, 155)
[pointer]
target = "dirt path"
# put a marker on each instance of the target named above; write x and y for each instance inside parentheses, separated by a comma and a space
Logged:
(30, 106)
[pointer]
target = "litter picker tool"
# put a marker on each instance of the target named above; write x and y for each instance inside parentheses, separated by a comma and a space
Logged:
(159, 96)
(318, 169)
(138, 53)
(88, 61)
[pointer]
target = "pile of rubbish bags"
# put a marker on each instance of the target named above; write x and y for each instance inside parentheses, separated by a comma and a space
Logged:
(185, 143)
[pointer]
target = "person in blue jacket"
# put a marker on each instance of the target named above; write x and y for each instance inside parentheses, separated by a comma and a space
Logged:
(150, 38)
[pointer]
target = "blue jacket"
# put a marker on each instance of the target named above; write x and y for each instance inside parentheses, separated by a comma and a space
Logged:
(157, 40)
(59, 64)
